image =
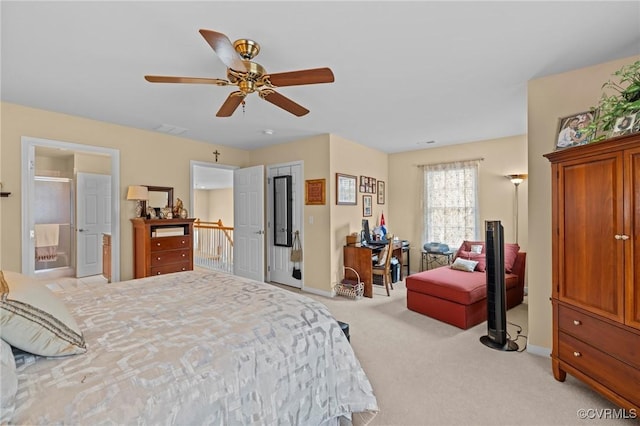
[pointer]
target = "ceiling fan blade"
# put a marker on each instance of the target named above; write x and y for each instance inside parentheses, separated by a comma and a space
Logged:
(296, 78)
(191, 80)
(223, 47)
(230, 104)
(283, 102)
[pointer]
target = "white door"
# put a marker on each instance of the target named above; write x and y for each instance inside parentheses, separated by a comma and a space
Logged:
(248, 218)
(93, 219)
(280, 265)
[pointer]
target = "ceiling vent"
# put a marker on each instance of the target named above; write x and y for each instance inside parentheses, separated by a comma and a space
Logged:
(170, 129)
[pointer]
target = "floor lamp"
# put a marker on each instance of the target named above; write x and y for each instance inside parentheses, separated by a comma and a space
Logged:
(516, 180)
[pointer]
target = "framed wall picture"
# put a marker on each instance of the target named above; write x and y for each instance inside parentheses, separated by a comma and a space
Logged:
(367, 201)
(570, 130)
(315, 192)
(625, 125)
(346, 189)
(381, 192)
(367, 185)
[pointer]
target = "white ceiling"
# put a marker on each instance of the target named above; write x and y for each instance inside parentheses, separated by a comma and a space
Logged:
(406, 72)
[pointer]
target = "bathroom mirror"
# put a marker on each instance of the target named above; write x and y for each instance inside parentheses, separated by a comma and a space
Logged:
(160, 196)
(282, 205)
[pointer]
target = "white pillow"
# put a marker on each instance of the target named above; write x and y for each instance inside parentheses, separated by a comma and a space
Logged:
(464, 265)
(476, 248)
(8, 384)
(33, 319)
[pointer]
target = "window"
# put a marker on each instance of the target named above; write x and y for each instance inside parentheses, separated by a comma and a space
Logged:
(451, 202)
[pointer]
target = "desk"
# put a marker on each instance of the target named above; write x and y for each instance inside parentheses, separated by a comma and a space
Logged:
(359, 258)
(435, 259)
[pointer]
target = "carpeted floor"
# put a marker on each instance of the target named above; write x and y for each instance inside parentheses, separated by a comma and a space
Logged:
(425, 372)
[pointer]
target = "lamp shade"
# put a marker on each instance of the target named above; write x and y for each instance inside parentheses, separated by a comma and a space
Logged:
(138, 192)
(517, 179)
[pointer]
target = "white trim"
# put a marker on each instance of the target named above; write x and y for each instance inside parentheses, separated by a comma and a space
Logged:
(539, 350)
(324, 293)
(28, 154)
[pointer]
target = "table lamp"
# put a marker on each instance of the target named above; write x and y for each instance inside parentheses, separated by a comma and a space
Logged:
(138, 193)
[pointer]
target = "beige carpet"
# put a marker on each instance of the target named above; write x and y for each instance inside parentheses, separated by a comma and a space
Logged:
(425, 372)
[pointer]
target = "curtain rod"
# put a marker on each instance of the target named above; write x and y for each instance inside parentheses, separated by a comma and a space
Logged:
(450, 162)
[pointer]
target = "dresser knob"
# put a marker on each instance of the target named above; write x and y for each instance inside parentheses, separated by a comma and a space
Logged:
(577, 322)
(184, 255)
(157, 273)
(184, 269)
(158, 244)
(577, 354)
(157, 258)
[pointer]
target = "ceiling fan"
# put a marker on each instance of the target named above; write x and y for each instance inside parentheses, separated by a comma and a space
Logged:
(250, 76)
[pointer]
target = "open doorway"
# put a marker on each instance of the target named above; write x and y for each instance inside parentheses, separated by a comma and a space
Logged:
(47, 162)
(212, 204)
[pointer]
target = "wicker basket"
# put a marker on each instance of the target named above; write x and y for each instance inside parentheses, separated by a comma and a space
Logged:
(353, 289)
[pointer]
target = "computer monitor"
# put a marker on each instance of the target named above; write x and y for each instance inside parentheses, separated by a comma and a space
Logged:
(366, 233)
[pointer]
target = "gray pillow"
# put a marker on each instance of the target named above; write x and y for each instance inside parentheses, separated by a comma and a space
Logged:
(33, 319)
(8, 384)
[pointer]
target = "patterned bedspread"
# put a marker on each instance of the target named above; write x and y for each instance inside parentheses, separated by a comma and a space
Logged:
(196, 348)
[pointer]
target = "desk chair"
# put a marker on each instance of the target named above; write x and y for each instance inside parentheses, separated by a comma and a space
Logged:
(383, 267)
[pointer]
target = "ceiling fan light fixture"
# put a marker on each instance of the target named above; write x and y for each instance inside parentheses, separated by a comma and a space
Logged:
(268, 132)
(248, 49)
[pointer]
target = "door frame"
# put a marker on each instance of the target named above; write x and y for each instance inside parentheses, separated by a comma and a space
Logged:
(27, 190)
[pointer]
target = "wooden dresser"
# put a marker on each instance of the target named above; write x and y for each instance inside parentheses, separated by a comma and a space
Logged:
(596, 267)
(162, 246)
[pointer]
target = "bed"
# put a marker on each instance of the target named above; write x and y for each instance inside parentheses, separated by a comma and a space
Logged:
(195, 348)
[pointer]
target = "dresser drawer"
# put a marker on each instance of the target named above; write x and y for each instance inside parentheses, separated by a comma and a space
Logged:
(172, 267)
(620, 377)
(617, 342)
(170, 243)
(160, 258)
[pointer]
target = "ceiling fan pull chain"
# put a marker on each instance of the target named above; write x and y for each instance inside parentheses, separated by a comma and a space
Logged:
(243, 103)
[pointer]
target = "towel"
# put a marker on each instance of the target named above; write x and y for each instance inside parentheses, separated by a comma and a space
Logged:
(47, 234)
(47, 241)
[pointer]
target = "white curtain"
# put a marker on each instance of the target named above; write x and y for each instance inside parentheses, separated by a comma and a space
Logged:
(451, 202)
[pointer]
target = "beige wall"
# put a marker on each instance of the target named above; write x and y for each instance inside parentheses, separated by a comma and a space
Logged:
(496, 193)
(550, 98)
(351, 158)
(146, 158)
(212, 205)
(325, 227)
(314, 153)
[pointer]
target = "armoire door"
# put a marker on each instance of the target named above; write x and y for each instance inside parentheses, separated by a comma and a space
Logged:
(632, 230)
(590, 204)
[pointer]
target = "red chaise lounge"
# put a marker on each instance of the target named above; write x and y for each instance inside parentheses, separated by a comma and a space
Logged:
(460, 298)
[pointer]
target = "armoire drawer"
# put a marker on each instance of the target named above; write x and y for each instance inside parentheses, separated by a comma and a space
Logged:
(160, 258)
(172, 267)
(170, 243)
(618, 376)
(615, 341)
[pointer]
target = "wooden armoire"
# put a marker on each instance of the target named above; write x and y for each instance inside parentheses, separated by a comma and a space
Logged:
(596, 266)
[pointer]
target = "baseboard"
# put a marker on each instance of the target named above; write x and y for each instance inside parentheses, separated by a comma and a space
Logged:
(539, 350)
(319, 292)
